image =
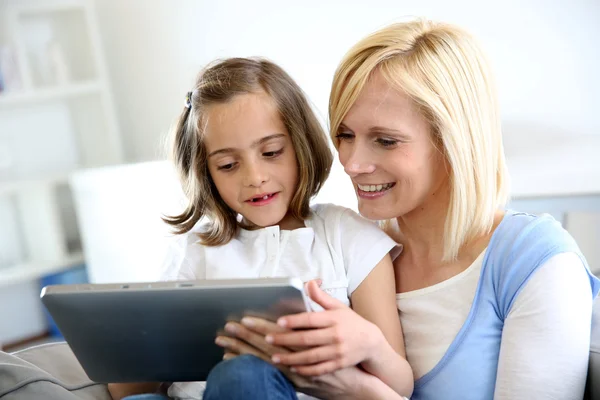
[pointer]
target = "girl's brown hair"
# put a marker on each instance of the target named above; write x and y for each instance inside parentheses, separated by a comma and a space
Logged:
(217, 84)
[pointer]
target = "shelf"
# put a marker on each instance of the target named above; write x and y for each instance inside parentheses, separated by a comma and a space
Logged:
(12, 99)
(12, 187)
(45, 8)
(29, 271)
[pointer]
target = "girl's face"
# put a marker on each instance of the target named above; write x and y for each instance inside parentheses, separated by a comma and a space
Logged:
(386, 147)
(251, 159)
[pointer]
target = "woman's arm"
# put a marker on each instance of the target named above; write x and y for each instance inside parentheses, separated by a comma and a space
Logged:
(349, 383)
(545, 342)
(120, 390)
(373, 338)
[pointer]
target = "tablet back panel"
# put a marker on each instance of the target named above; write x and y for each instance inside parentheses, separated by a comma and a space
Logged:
(159, 332)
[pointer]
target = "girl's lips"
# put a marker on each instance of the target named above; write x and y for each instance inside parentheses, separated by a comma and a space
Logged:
(263, 199)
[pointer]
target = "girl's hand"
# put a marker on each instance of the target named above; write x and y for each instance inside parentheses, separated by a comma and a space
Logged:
(335, 338)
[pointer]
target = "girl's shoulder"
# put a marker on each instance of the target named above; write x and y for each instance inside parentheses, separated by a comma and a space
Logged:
(345, 226)
(342, 217)
(182, 243)
(331, 212)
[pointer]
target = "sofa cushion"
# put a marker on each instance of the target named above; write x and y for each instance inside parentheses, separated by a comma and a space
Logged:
(49, 372)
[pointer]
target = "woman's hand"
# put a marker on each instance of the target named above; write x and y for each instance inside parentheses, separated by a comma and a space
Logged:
(334, 339)
(250, 339)
(347, 383)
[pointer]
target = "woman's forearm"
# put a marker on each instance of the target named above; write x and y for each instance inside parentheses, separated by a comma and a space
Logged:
(120, 390)
(371, 387)
(391, 368)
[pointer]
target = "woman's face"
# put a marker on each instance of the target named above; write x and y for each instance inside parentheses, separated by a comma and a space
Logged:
(386, 147)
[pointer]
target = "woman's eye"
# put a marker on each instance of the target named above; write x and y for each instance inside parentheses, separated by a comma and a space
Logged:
(272, 154)
(344, 136)
(387, 142)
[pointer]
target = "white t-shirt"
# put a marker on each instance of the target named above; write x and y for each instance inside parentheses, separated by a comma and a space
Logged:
(337, 246)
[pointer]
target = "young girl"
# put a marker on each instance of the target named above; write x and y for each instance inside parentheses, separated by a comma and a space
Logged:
(251, 155)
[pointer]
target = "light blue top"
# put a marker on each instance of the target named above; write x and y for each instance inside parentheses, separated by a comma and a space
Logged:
(519, 246)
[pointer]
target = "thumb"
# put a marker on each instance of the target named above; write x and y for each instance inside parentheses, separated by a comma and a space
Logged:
(323, 299)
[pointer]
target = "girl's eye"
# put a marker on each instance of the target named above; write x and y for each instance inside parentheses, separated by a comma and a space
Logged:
(226, 167)
(387, 142)
(272, 154)
(344, 136)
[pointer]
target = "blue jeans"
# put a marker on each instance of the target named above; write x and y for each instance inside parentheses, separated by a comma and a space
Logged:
(146, 396)
(248, 377)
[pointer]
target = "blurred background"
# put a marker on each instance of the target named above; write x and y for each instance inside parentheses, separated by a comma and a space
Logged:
(89, 89)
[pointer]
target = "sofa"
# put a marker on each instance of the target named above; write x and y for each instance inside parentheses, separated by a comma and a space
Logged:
(51, 372)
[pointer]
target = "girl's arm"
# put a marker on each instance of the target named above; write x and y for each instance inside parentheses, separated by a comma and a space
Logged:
(375, 300)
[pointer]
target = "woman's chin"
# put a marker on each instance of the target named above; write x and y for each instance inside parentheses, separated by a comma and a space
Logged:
(374, 213)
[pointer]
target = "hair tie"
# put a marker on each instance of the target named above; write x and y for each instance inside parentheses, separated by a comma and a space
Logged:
(188, 100)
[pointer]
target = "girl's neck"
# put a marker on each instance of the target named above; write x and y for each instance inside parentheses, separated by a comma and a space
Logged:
(288, 223)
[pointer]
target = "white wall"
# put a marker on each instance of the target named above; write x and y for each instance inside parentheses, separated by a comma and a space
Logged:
(545, 55)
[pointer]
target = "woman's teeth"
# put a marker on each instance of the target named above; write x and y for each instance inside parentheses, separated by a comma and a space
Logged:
(375, 188)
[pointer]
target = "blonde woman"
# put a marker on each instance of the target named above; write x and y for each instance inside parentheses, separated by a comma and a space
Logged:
(493, 303)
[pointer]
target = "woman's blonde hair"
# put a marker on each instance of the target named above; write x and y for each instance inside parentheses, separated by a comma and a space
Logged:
(443, 69)
(217, 84)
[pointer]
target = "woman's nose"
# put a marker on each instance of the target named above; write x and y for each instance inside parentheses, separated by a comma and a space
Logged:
(355, 160)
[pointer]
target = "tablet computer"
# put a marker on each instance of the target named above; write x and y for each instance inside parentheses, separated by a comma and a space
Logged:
(161, 331)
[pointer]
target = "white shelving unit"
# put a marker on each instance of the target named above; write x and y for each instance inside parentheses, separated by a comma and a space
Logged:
(62, 93)
(56, 116)
(34, 270)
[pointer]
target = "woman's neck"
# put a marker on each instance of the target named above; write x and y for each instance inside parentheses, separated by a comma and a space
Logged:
(422, 232)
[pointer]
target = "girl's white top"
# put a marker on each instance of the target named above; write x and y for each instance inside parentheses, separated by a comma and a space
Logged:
(337, 246)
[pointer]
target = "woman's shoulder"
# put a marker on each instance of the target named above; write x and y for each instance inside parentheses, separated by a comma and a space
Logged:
(528, 238)
(521, 244)
(530, 232)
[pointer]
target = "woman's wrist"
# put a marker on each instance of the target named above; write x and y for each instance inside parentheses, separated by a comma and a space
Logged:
(378, 349)
(371, 387)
